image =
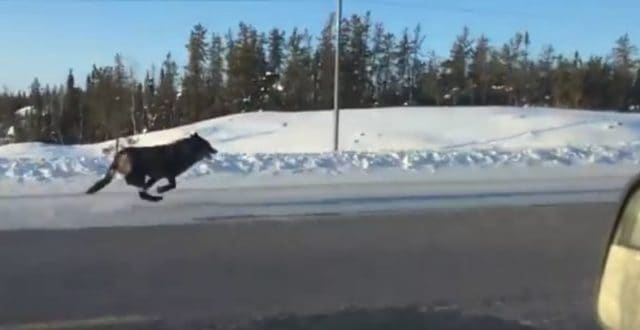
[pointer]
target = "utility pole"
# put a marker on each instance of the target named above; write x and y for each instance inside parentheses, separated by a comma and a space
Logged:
(336, 83)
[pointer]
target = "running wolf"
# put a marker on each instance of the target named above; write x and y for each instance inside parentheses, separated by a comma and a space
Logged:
(142, 167)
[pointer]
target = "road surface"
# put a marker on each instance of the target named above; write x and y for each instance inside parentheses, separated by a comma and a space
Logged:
(534, 264)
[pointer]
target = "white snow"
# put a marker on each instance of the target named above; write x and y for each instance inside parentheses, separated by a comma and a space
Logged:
(25, 111)
(392, 129)
(427, 148)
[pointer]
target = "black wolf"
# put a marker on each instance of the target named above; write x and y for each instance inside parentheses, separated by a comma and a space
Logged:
(142, 167)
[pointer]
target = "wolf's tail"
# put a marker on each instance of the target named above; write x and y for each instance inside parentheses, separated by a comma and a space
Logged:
(109, 176)
(104, 181)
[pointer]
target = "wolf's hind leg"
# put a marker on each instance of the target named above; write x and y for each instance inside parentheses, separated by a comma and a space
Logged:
(147, 197)
(150, 182)
(165, 188)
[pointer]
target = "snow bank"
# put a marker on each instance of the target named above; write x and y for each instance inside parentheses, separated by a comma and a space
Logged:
(47, 169)
(406, 139)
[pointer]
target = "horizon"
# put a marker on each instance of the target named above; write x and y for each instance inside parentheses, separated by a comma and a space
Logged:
(145, 42)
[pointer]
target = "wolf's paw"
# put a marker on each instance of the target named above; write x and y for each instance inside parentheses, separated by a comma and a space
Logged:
(145, 195)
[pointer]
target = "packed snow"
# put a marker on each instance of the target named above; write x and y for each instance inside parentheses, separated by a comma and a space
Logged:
(409, 138)
(425, 139)
(405, 154)
(25, 111)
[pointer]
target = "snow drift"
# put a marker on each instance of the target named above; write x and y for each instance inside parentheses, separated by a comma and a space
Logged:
(407, 139)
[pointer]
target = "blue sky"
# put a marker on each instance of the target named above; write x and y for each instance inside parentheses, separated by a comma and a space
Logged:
(45, 38)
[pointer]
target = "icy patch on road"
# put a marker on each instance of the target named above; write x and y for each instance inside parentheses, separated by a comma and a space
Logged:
(48, 169)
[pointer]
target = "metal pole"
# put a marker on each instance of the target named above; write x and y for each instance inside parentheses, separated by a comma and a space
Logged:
(336, 80)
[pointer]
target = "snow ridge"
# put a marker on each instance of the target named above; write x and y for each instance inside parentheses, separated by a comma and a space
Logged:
(49, 169)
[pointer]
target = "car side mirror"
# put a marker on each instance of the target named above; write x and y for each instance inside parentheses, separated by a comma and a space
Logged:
(618, 296)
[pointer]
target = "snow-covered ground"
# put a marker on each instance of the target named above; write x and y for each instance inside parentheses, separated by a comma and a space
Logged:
(401, 154)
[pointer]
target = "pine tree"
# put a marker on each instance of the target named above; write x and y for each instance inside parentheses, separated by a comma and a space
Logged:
(635, 91)
(168, 112)
(35, 117)
(376, 63)
(122, 116)
(149, 100)
(512, 55)
(429, 92)
(47, 125)
(69, 122)
(326, 66)
(479, 71)
(297, 82)
(597, 75)
(215, 72)
(193, 83)
(57, 105)
(543, 80)
(246, 69)
(417, 66)
(276, 50)
(403, 65)
(456, 69)
(390, 94)
(355, 76)
(623, 72)
(138, 109)
(101, 101)
(276, 59)
(568, 82)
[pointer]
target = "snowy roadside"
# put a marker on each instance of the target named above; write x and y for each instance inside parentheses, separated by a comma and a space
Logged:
(341, 166)
(273, 164)
(425, 140)
(61, 204)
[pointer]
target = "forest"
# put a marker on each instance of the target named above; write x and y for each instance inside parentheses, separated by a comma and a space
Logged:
(249, 70)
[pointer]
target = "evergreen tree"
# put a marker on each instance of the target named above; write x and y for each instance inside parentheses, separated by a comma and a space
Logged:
(417, 66)
(138, 109)
(35, 117)
(479, 71)
(456, 69)
(215, 83)
(355, 59)
(193, 83)
(543, 79)
(69, 122)
(377, 63)
(326, 66)
(403, 58)
(597, 76)
(623, 72)
(297, 82)
(635, 91)
(168, 113)
(246, 69)
(430, 92)
(250, 70)
(390, 84)
(149, 111)
(276, 50)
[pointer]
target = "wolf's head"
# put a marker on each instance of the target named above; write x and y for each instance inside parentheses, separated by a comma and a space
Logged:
(201, 147)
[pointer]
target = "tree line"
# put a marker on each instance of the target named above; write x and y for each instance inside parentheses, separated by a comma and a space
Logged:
(249, 70)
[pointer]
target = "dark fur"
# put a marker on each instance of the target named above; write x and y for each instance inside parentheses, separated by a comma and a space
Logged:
(142, 167)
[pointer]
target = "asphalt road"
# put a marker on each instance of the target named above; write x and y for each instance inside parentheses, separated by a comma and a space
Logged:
(537, 265)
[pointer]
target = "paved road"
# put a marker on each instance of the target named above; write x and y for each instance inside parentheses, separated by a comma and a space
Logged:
(535, 264)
